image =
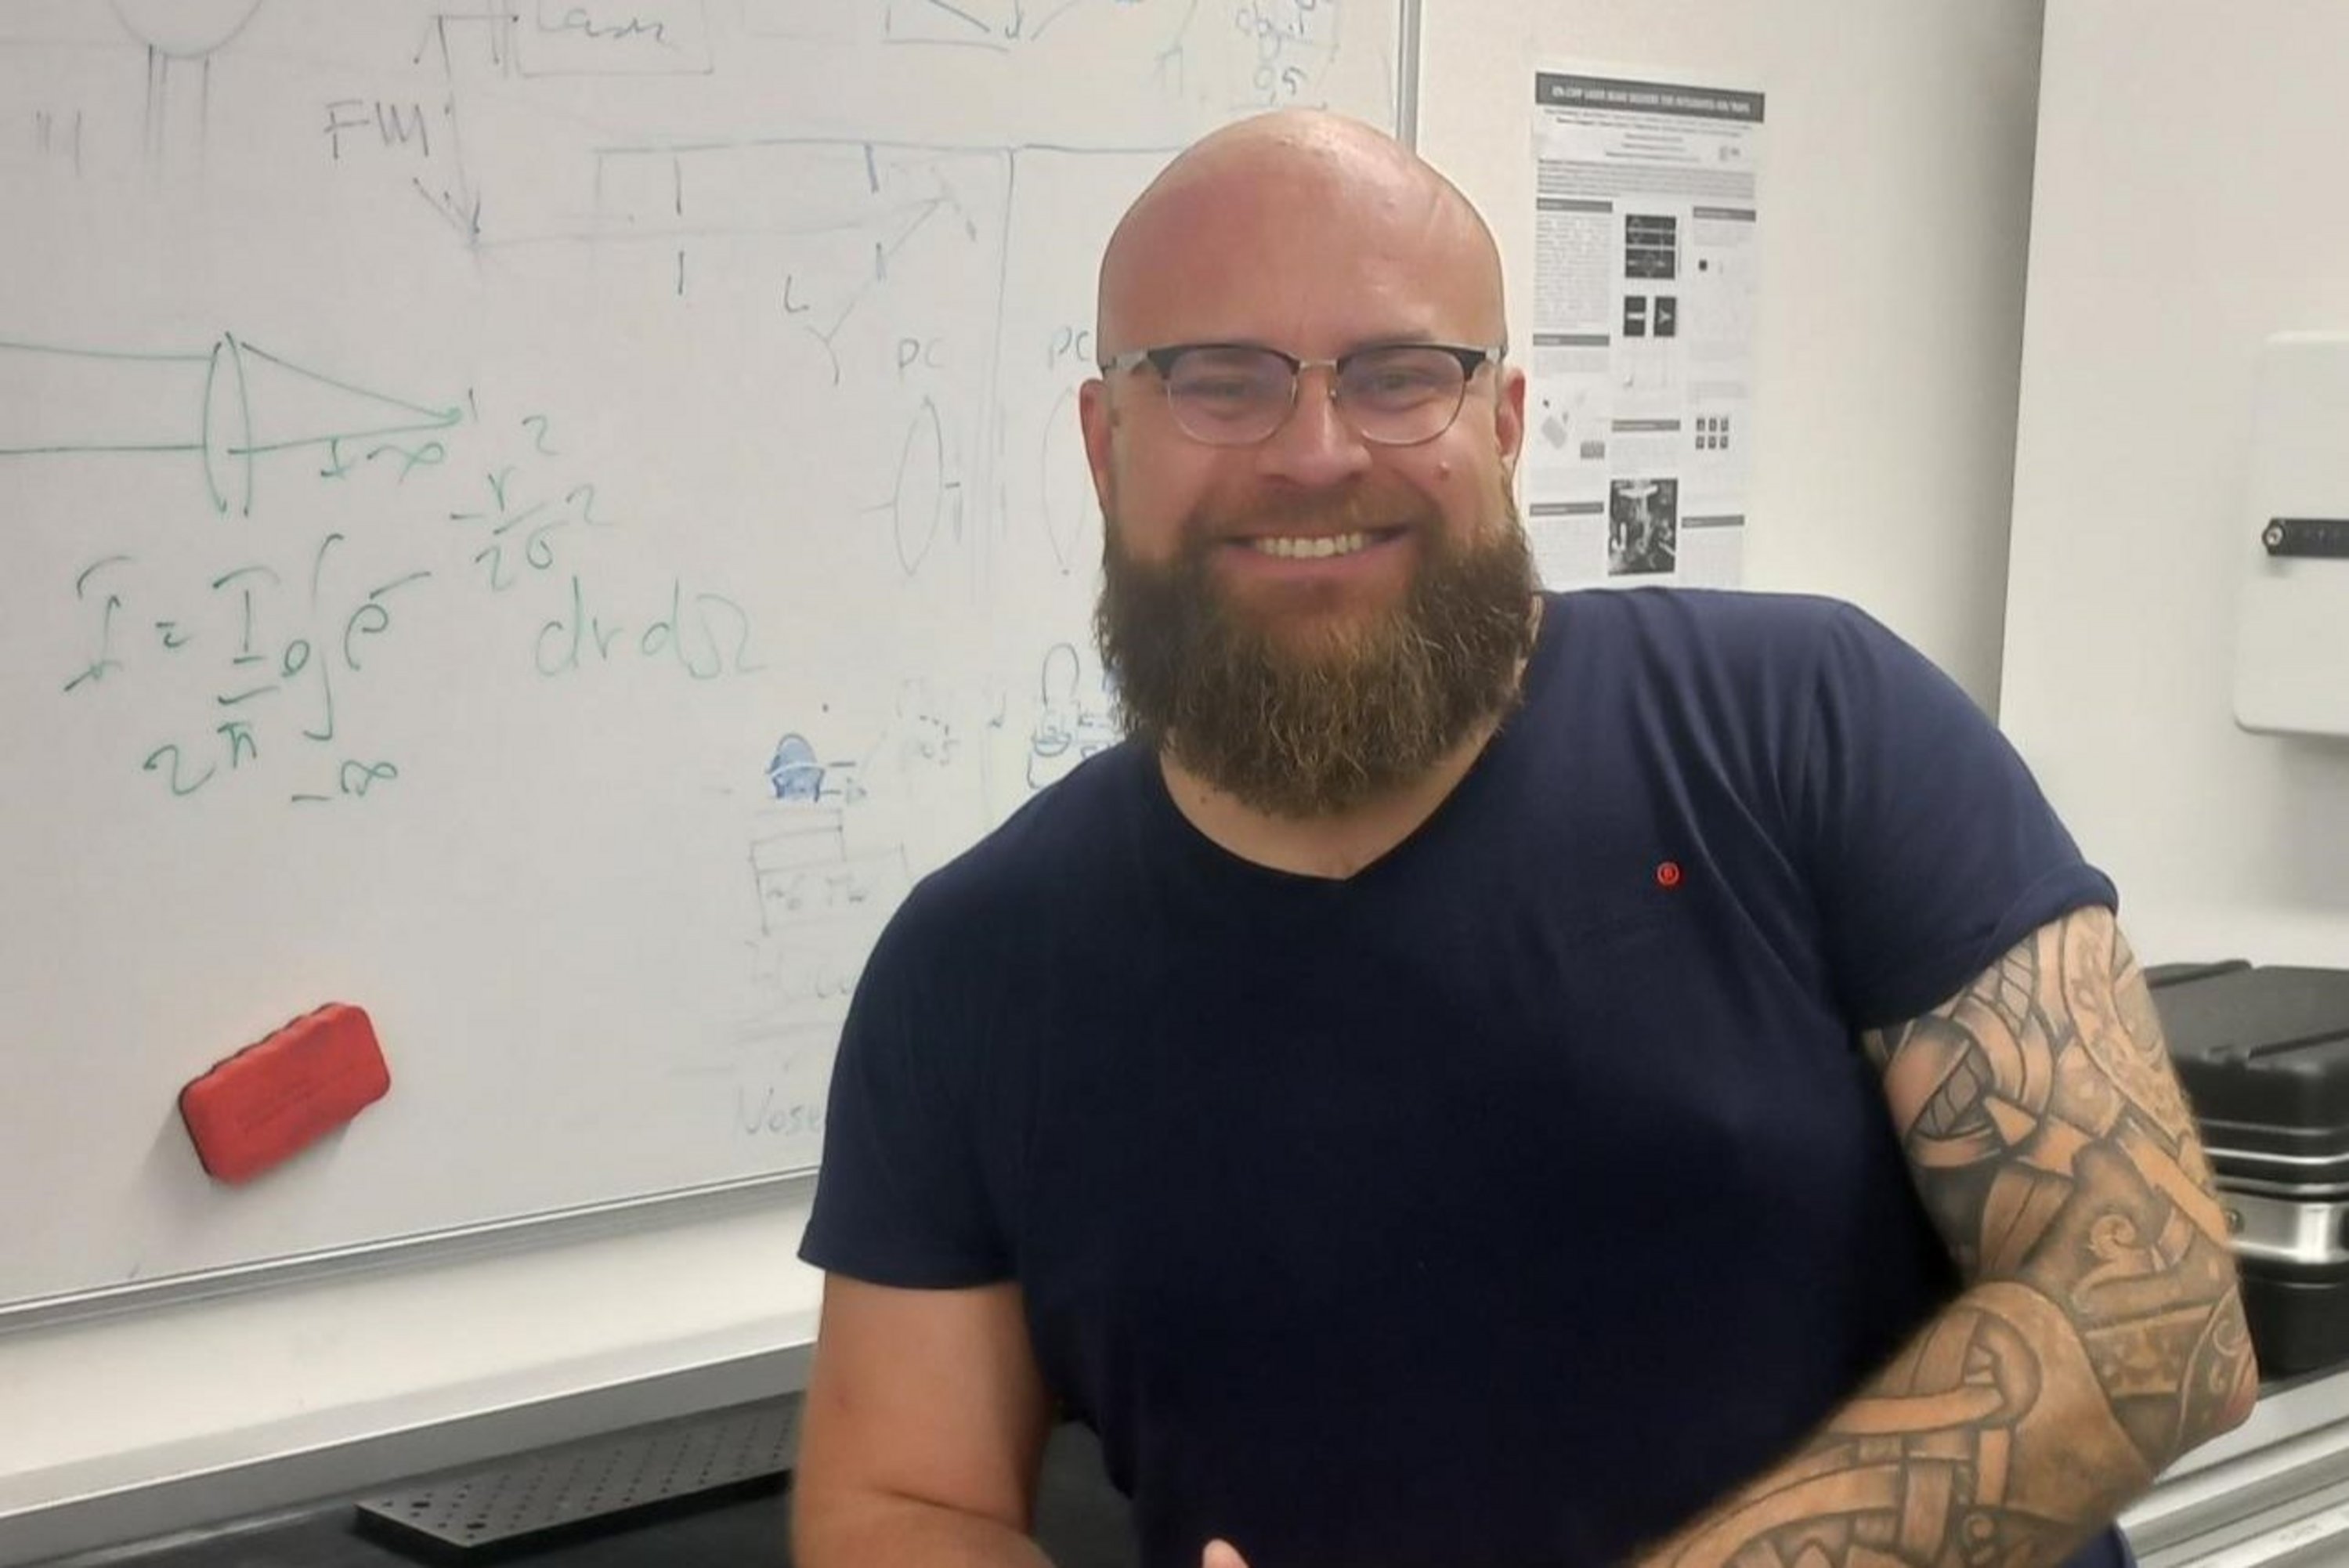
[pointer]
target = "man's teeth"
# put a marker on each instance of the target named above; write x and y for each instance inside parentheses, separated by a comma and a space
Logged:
(1311, 549)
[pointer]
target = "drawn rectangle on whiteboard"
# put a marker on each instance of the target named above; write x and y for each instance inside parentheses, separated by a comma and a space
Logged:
(614, 38)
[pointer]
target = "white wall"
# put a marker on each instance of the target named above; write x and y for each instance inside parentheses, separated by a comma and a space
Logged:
(2190, 201)
(1893, 230)
(1896, 204)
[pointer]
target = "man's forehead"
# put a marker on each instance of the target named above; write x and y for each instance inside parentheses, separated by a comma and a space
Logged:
(1231, 205)
(1270, 168)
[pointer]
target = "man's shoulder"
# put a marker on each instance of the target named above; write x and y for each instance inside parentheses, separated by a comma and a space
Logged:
(1033, 861)
(1709, 621)
(1725, 656)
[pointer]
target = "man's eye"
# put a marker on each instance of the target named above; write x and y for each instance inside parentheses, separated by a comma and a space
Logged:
(1395, 383)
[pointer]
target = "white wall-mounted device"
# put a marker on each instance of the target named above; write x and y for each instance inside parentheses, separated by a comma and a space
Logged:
(2292, 629)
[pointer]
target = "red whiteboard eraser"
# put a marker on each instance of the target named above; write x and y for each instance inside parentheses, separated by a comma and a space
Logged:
(275, 1098)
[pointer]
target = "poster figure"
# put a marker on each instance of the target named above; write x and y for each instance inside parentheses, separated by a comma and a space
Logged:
(1646, 215)
(1642, 527)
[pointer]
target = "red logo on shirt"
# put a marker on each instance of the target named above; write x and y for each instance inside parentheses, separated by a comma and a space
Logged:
(1668, 874)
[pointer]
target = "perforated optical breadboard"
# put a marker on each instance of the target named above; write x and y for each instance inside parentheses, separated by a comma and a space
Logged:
(608, 1483)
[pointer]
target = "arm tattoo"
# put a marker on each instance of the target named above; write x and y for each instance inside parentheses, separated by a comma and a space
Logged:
(2102, 1334)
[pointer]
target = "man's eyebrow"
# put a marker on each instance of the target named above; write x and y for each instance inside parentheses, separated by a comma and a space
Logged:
(1401, 337)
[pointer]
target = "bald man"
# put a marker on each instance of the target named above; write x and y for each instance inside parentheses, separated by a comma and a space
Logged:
(1481, 1078)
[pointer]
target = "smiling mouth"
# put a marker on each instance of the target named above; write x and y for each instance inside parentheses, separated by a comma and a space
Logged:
(1319, 547)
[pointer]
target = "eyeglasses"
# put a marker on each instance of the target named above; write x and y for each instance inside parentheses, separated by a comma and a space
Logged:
(1238, 394)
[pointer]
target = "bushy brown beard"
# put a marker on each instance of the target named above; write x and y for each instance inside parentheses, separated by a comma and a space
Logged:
(1299, 724)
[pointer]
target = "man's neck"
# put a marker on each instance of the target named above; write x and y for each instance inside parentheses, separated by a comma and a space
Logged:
(1336, 846)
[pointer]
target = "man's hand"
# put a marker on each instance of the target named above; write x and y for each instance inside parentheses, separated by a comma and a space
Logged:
(1221, 1554)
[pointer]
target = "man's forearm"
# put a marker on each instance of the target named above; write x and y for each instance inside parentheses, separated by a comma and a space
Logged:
(1990, 1438)
(905, 1532)
(2104, 1335)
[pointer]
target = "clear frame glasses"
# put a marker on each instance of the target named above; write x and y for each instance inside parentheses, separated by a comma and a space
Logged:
(1238, 394)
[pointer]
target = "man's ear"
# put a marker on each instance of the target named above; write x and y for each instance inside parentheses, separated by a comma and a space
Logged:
(1098, 420)
(1509, 417)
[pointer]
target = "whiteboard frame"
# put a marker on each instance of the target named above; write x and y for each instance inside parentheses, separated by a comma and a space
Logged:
(539, 1228)
(543, 1228)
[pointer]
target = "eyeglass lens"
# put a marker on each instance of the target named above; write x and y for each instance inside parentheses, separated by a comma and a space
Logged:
(1395, 395)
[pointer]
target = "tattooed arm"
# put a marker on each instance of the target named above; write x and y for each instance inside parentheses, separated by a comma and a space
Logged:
(2100, 1334)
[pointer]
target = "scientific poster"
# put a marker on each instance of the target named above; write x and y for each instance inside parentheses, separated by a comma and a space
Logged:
(1638, 407)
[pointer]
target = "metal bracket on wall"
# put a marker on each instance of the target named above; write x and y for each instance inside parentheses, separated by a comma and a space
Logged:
(2305, 537)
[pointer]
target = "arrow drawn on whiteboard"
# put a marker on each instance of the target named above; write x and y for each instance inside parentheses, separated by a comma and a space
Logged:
(463, 216)
(884, 250)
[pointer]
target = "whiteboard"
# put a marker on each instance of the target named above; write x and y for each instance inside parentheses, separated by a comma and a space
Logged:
(539, 520)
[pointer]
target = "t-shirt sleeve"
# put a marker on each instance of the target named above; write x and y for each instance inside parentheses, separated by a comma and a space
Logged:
(1931, 847)
(901, 1198)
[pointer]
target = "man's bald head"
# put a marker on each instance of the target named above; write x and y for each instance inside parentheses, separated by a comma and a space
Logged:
(1286, 169)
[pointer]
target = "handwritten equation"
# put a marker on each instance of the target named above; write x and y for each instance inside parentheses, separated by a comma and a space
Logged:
(282, 642)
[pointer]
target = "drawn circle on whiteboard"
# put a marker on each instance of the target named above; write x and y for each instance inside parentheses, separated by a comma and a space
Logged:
(185, 29)
(1063, 669)
(919, 500)
(228, 429)
(1057, 715)
(1070, 512)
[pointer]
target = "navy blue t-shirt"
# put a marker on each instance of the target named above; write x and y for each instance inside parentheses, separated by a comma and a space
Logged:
(1506, 1204)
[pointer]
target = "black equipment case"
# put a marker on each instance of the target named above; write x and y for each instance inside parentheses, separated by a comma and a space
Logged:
(2263, 1054)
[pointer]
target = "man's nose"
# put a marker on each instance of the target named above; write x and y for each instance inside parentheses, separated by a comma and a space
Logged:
(1316, 444)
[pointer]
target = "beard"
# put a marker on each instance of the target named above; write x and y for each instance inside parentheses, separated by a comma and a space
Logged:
(1313, 719)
